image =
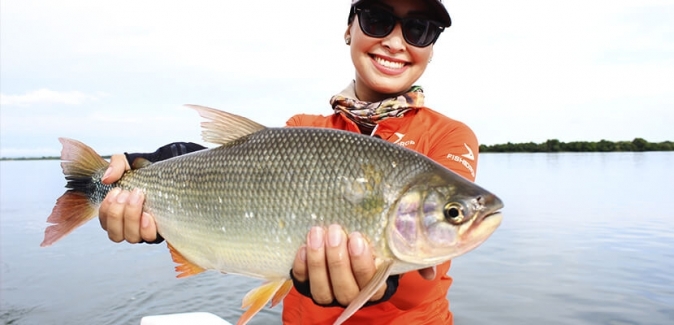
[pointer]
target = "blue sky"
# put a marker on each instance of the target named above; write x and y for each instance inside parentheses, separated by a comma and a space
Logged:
(115, 74)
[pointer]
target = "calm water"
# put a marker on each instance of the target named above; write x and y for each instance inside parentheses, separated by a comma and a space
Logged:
(586, 239)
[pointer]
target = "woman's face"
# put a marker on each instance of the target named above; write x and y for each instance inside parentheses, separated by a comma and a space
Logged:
(387, 66)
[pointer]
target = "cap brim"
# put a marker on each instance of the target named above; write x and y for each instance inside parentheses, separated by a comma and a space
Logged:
(436, 6)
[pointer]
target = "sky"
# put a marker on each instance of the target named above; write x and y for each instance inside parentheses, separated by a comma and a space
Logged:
(115, 74)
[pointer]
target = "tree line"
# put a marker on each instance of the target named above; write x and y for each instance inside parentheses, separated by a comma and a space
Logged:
(554, 145)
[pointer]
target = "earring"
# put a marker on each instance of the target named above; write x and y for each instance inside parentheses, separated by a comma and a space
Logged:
(430, 59)
(347, 40)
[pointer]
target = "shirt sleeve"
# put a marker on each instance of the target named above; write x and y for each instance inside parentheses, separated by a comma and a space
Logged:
(457, 149)
(296, 120)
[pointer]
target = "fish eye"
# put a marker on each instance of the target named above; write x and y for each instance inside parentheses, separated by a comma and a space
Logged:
(454, 213)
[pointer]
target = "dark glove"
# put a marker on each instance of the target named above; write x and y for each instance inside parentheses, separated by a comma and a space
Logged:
(168, 151)
(305, 289)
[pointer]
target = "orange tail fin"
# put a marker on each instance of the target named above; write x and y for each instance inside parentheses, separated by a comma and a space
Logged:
(83, 168)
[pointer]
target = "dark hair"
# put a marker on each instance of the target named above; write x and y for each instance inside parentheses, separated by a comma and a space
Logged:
(352, 15)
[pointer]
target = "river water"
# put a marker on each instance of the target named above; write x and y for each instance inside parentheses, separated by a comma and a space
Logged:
(587, 238)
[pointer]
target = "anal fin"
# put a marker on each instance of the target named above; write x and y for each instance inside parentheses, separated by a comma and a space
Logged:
(184, 268)
(257, 298)
(282, 292)
(379, 279)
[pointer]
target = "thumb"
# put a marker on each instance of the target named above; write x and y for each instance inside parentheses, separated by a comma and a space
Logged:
(118, 165)
(428, 273)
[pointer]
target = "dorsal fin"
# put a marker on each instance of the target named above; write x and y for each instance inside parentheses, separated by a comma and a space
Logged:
(223, 127)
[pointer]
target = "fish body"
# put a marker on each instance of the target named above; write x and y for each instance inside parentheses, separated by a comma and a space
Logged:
(246, 206)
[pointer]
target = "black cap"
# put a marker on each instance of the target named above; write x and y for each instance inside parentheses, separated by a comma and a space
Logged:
(436, 6)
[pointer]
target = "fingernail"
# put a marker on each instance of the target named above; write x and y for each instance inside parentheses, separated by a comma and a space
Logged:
(107, 173)
(356, 244)
(303, 253)
(428, 273)
(121, 198)
(316, 237)
(144, 221)
(135, 196)
(335, 235)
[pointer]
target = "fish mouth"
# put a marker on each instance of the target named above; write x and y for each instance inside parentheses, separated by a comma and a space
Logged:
(492, 217)
(491, 214)
(487, 220)
(487, 207)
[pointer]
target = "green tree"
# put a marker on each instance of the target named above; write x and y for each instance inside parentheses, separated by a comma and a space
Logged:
(639, 144)
(553, 145)
(605, 146)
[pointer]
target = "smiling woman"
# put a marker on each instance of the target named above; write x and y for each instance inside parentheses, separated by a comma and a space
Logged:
(391, 44)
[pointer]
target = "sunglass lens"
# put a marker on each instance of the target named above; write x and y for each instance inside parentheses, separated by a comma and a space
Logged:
(420, 32)
(376, 23)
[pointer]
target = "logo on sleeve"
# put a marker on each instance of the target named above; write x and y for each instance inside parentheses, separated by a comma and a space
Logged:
(468, 155)
(460, 159)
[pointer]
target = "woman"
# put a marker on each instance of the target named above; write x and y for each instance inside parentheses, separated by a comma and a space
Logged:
(391, 45)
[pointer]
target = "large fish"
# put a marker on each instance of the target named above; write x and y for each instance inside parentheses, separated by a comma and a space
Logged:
(246, 206)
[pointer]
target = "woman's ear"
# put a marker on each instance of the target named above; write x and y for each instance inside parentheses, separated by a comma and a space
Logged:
(347, 35)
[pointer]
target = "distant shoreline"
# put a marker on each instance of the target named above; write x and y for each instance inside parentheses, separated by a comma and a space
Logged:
(553, 145)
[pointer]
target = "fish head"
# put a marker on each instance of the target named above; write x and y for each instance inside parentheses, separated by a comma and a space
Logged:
(438, 218)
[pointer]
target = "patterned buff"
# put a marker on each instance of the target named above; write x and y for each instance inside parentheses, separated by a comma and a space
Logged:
(368, 114)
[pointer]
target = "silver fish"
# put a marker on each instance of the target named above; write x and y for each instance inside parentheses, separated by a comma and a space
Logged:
(246, 206)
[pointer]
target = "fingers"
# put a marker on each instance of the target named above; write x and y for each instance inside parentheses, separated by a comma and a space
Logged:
(344, 285)
(317, 270)
(148, 228)
(362, 263)
(336, 267)
(428, 273)
(300, 264)
(133, 210)
(111, 214)
(118, 165)
(121, 215)
(121, 212)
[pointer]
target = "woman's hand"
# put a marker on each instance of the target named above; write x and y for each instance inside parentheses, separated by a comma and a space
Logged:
(121, 212)
(337, 266)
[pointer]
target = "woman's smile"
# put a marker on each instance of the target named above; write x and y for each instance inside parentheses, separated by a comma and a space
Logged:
(388, 65)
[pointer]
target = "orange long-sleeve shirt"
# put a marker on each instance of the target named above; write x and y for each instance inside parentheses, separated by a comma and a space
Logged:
(417, 301)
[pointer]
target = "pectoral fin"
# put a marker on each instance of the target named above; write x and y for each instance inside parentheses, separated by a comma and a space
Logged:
(379, 279)
(184, 268)
(260, 296)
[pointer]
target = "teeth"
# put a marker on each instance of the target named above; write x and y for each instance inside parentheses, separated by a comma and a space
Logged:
(389, 64)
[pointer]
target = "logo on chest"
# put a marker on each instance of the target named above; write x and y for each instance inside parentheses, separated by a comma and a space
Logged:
(401, 142)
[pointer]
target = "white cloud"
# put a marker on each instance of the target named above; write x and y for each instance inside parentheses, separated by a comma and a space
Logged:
(47, 96)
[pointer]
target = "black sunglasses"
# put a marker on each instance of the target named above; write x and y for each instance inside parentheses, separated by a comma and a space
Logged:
(379, 23)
